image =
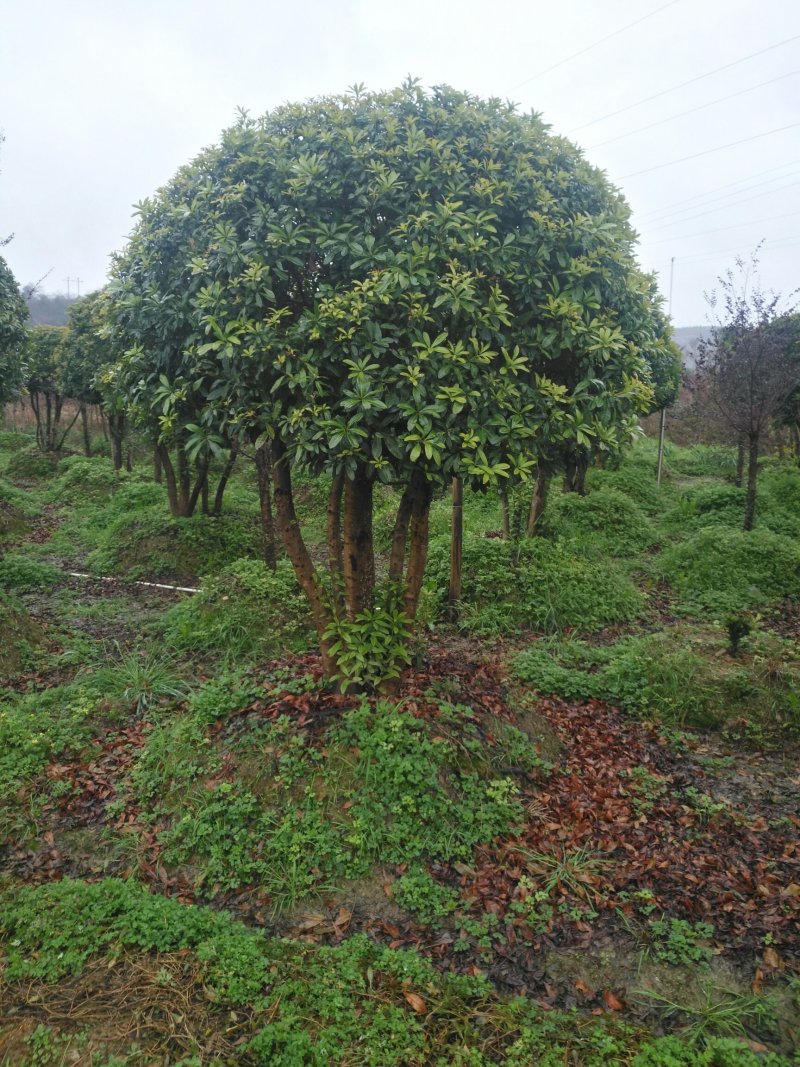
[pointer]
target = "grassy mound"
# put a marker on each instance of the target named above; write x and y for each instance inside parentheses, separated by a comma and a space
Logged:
(723, 570)
(244, 610)
(607, 519)
(80, 479)
(145, 541)
(21, 573)
(533, 585)
(291, 1004)
(683, 675)
(19, 636)
(30, 463)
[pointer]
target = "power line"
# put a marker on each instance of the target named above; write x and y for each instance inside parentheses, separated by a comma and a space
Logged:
(710, 210)
(708, 151)
(691, 110)
(720, 229)
(588, 48)
(670, 209)
(690, 81)
(768, 246)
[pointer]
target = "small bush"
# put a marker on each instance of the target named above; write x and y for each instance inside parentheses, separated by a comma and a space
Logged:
(533, 585)
(246, 610)
(699, 461)
(79, 478)
(725, 571)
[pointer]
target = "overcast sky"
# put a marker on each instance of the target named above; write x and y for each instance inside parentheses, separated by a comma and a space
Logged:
(101, 102)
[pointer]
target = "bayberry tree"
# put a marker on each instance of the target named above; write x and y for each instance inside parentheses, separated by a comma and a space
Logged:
(394, 287)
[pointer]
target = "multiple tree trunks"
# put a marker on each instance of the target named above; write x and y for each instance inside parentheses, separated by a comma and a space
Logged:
(539, 499)
(186, 489)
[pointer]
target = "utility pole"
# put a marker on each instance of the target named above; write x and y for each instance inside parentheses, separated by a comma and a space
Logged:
(78, 286)
(663, 426)
(68, 281)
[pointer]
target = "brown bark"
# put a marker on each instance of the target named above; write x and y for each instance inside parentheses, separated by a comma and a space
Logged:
(116, 429)
(538, 500)
(505, 519)
(157, 467)
(358, 557)
(752, 478)
(418, 549)
(87, 440)
(263, 460)
(397, 556)
(223, 482)
(292, 538)
(171, 480)
(456, 548)
(740, 450)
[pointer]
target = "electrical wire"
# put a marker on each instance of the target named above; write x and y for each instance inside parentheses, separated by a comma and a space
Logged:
(709, 151)
(674, 207)
(689, 81)
(659, 225)
(691, 110)
(588, 48)
(720, 229)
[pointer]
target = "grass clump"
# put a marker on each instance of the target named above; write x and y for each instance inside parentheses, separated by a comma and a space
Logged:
(244, 610)
(534, 585)
(23, 574)
(87, 478)
(19, 636)
(726, 571)
(32, 464)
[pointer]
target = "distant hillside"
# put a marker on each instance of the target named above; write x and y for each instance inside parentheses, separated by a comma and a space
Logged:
(49, 309)
(687, 339)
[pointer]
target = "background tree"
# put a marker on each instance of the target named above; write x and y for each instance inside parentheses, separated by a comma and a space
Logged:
(13, 334)
(84, 352)
(747, 365)
(43, 380)
(397, 287)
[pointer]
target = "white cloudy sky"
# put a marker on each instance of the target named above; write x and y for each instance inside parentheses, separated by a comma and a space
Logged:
(102, 100)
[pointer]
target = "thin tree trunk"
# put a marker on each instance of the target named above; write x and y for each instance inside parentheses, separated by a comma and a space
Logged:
(173, 496)
(538, 500)
(184, 485)
(397, 556)
(292, 538)
(418, 537)
(200, 486)
(752, 479)
(456, 548)
(59, 444)
(263, 461)
(662, 430)
(505, 520)
(223, 481)
(157, 466)
(740, 450)
(87, 440)
(358, 557)
(116, 430)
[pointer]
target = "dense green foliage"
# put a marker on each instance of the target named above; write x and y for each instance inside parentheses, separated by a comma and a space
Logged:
(13, 314)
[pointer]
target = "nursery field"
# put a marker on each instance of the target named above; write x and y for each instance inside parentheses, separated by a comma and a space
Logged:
(570, 837)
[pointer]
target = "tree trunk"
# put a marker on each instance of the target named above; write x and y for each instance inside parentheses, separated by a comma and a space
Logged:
(740, 462)
(116, 425)
(538, 500)
(505, 519)
(397, 556)
(580, 476)
(662, 430)
(263, 461)
(87, 441)
(157, 466)
(359, 556)
(173, 495)
(456, 548)
(418, 549)
(223, 481)
(752, 478)
(292, 538)
(184, 486)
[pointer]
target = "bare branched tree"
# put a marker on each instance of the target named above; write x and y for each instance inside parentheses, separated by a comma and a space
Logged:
(748, 365)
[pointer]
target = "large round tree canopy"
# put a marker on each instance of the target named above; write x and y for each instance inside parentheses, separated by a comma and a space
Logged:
(13, 332)
(406, 280)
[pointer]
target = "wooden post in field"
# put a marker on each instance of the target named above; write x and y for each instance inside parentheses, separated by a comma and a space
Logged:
(662, 431)
(456, 544)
